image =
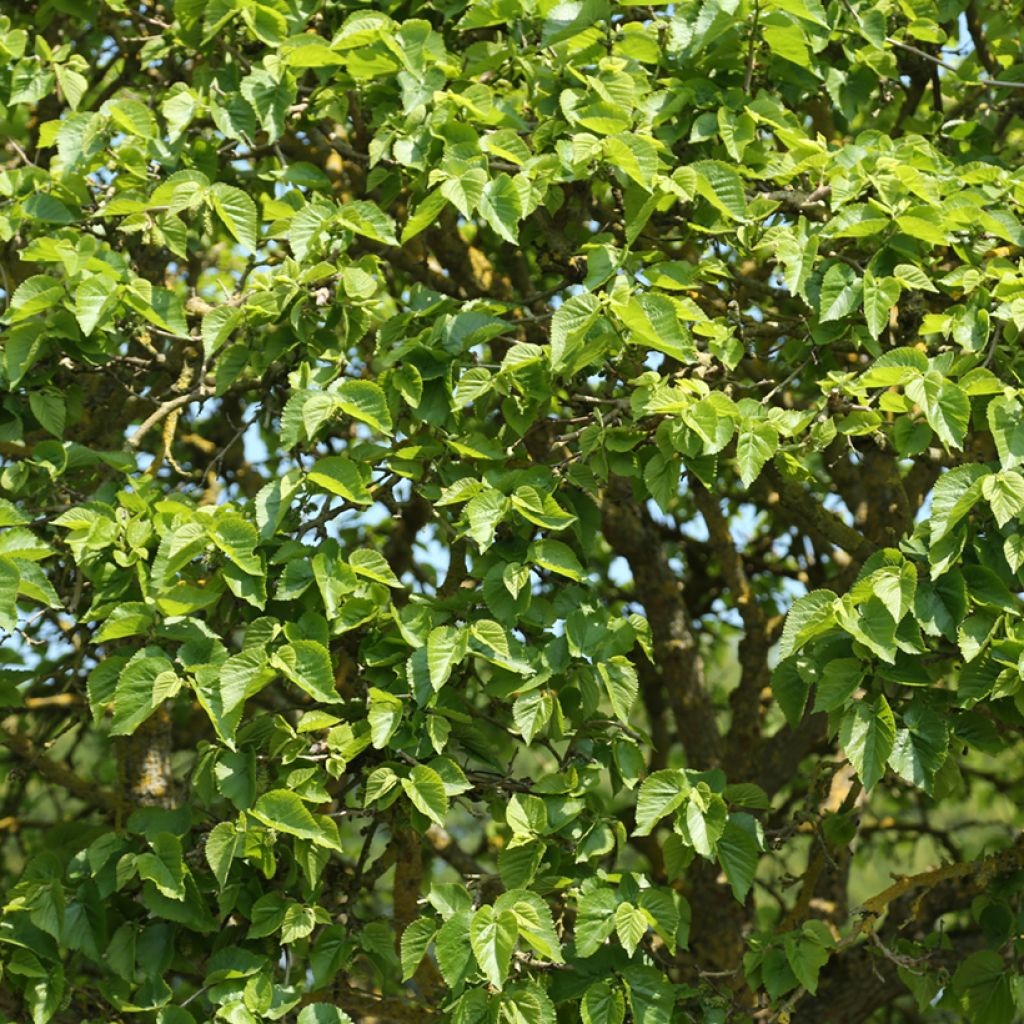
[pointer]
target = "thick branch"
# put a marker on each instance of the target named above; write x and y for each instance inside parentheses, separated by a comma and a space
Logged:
(858, 981)
(812, 518)
(367, 1006)
(631, 533)
(978, 38)
(88, 792)
(745, 700)
(971, 876)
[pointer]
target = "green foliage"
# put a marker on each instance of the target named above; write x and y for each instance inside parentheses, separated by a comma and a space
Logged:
(511, 511)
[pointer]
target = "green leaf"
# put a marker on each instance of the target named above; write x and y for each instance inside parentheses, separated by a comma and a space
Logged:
(385, 715)
(984, 985)
(840, 292)
(373, 565)
(465, 190)
(35, 294)
(1006, 421)
(23, 544)
(713, 419)
(424, 215)
(492, 937)
(635, 155)
(919, 748)
(454, 953)
(897, 366)
(556, 557)
(756, 443)
(308, 665)
(811, 615)
(541, 509)
(660, 794)
(602, 1004)
(946, 407)
(839, 679)
(533, 922)
(953, 497)
(446, 647)
(283, 811)
(143, 685)
(323, 1013)
(651, 995)
(737, 852)
(722, 187)
(238, 212)
(238, 539)
(9, 579)
(654, 321)
(484, 513)
(595, 920)
(425, 789)
(1005, 494)
(527, 1003)
(270, 98)
(621, 684)
(913, 278)
(340, 475)
(94, 298)
(806, 10)
(501, 207)
(48, 407)
(569, 325)
(788, 42)
(365, 401)
(806, 958)
(531, 712)
(48, 209)
(880, 295)
(630, 926)
(415, 941)
(867, 733)
(11, 515)
(367, 219)
(790, 687)
(134, 117)
(164, 867)
(223, 844)
(705, 820)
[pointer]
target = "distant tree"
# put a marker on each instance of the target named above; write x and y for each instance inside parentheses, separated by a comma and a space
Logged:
(512, 511)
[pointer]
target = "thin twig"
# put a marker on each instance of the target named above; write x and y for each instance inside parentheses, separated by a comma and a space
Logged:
(998, 82)
(162, 412)
(752, 49)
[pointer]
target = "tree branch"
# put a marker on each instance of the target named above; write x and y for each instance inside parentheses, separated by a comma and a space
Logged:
(745, 700)
(631, 533)
(58, 774)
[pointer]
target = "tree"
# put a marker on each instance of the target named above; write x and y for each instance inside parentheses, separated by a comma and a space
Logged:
(512, 512)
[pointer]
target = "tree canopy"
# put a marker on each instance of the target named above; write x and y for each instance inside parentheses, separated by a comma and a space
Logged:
(511, 511)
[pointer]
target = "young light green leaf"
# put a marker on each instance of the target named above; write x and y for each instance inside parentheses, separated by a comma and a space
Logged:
(556, 557)
(237, 211)
(880, 295)
(660, 794)
(492, 937)
(756, 443)
(425, 788)
(365, 401)
(446, 647)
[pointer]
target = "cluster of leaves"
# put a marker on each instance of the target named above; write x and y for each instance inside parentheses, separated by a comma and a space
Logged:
(495, 494)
